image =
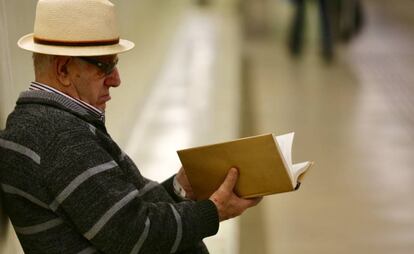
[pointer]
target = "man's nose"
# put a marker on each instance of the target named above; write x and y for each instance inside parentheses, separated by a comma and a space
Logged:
(113, 79)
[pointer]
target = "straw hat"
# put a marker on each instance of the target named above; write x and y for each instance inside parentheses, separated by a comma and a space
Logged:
(75, 28)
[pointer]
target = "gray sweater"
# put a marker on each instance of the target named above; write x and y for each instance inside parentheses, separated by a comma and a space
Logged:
(68, 188)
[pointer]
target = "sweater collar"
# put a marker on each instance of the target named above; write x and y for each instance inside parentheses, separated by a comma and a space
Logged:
(46, 95)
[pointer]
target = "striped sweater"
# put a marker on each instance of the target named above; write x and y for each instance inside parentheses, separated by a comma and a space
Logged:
(68, 188)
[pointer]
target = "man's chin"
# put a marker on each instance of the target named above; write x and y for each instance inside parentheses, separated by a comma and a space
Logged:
(102, 102)
(102, 107)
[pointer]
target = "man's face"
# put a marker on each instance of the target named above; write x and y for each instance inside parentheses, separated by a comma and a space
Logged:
(90, 82)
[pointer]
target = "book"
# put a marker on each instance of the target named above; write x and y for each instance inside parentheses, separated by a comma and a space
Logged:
(264, 163)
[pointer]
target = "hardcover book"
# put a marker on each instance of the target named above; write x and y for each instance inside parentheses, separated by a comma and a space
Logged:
(264, 163)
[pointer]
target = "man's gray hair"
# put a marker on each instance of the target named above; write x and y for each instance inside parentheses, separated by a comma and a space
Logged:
(42, 63)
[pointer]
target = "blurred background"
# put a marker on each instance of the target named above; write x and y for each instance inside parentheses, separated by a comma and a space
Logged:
(337, 73)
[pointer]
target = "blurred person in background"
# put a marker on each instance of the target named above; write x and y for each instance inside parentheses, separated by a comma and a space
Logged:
(339, 20)
(67, 186)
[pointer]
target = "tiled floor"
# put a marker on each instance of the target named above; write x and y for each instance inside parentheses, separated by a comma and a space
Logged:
(355, 119)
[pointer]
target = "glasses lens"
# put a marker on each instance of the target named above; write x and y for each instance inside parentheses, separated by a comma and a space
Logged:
(106, 68)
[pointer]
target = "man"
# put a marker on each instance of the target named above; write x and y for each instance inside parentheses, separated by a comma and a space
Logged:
(67, 186)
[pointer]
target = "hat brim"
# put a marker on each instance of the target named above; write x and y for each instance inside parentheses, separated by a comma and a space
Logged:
(27, 43)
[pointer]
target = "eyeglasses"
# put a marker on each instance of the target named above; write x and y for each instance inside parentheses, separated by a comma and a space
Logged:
(105, 68)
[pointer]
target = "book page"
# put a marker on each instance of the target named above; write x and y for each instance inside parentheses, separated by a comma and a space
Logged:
(299, 169)
(285, 144)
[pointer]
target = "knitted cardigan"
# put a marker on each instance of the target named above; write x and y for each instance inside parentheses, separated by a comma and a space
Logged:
(68, 188)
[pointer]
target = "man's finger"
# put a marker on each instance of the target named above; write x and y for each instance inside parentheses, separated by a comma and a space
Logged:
(255, 201)
(249, 202)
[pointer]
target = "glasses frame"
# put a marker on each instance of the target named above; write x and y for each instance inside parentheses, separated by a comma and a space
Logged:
(105, 68)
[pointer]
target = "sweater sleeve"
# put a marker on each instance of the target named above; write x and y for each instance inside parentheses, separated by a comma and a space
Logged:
(96, 196)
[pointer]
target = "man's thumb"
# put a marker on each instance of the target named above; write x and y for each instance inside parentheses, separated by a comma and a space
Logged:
(231, 179)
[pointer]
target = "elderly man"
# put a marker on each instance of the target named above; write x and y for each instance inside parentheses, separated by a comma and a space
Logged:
(67, 186)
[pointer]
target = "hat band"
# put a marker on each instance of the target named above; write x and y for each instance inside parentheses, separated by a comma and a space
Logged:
(76, 43)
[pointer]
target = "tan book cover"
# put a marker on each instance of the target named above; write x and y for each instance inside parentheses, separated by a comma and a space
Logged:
(264, 163)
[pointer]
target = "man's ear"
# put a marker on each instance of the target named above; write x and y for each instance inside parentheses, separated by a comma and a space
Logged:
(62, 71)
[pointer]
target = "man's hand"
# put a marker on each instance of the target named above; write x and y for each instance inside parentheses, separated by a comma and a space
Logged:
(228, 204)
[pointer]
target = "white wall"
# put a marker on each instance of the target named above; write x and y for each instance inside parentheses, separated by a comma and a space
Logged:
(16, 19)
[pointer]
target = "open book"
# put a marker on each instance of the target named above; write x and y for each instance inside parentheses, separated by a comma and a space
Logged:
(264, 163)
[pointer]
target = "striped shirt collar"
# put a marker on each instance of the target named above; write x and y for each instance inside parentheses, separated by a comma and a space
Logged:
(89, 108)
